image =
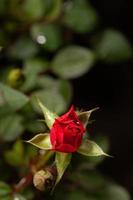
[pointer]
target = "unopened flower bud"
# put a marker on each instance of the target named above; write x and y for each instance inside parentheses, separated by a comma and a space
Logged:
(15, 78)
(43, 179)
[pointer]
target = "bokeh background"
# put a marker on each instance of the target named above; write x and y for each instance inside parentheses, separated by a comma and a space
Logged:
(67, 52)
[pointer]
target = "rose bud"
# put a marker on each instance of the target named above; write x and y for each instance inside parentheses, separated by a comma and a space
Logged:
(43, 179)
(67, 132)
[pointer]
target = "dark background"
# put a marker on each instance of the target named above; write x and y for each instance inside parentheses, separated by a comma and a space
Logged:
(110, 88)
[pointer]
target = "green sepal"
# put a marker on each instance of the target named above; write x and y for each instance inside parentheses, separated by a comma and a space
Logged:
(62, 161)
(90, 148)
(48, 115)
(41, 141)
(84, 116)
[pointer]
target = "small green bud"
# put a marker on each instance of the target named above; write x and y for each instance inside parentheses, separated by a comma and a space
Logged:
(15, 78)
(43, 179)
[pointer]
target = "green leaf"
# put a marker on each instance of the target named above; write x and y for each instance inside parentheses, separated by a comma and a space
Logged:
(79, 195)
(28, 193)
(114, 192)
(11, 127)
(33, 9)
(113, 47)
(2, 6)
(90, 176)
(23, 48)
(104, 144)
(41, 141)
(80, 16)
(32, 67)
(62, 161)
(36, 127)
(51, 35)
(52, 99)
(57, 91)
(14, 156)
(84, 116)
(72, 62)
(4, 189)
(65, 89)
(15, 99)
(53, 9)
(90, 148)
(48, 115)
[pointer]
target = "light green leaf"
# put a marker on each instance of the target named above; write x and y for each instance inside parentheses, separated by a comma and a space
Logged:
(4, 189)
(52, 99)
(63, 87)
(48, 115)
(80, 16)
(104, 144)
(15, 99)
(84, 116)
(62, 161)
(41, 141)
(90, 148)
(113, 47)
(11, 127)
(72, 62)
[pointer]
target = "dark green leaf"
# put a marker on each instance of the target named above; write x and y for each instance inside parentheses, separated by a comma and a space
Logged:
(23, 48)
(79, 195)
(36, 127)
(72, 62)
(113, 47)
(5, 190)
(15, 155)
(53, 9)
(80, 16)
(114, 192)
(51, 36)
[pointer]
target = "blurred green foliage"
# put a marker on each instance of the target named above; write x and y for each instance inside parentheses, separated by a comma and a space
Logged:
(39, 55)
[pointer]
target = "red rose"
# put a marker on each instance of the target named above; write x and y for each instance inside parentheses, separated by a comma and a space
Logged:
(67, 132)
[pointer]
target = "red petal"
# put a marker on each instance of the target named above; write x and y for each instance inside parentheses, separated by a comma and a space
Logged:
(66, 148)
(56, 134)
